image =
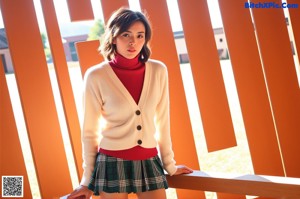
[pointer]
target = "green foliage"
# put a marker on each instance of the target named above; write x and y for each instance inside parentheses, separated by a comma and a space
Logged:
(48, 54)
(44, 39)
(46, 47)
(96, 31)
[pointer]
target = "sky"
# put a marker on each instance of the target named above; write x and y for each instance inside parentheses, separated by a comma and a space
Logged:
(63, 14)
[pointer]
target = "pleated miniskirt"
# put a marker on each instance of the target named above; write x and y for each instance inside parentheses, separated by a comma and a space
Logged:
(116, 175)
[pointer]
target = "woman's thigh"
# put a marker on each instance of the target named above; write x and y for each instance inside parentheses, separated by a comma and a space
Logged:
(113, 195)
(157, 194)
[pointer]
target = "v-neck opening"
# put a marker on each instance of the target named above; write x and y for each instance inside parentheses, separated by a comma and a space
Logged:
(125, 91)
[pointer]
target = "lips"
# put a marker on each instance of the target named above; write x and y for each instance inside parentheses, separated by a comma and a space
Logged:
(132, 50)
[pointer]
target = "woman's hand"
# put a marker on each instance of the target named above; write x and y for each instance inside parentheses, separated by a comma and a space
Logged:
(182, 169)
(82, 192)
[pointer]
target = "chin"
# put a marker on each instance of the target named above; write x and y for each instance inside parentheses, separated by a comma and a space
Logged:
(131, 56)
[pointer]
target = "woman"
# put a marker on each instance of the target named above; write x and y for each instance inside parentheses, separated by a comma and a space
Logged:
(129, 92)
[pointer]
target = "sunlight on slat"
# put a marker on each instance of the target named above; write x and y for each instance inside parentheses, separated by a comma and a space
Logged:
(23, 136)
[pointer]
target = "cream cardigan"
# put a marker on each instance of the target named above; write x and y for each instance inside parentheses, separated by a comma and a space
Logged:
(126, 124)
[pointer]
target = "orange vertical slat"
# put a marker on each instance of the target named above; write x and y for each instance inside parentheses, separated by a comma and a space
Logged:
(36, 96)
(209, 84)
(65, 87)
(80, 10)
(109, 6)
(88, 54)
(251, 87)
(295, 23)
(282, 81)
(11, 157)
(163, 48)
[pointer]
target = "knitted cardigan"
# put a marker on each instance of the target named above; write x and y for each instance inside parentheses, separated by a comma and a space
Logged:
(114, 121)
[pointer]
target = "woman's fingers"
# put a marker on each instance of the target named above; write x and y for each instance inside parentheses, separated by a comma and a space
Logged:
(182, 169)
(81, 192)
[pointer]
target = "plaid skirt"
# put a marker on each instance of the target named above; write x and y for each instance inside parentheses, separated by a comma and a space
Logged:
(116, 175)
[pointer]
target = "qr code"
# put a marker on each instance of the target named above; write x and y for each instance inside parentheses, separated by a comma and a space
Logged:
(12, 186)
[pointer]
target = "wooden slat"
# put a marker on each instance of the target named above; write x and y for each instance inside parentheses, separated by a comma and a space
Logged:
(108, 7)
(251, 87)
(207, 75)
(206, 69)
(256, 185)
(163, 48)
(282, 82)
(80, 10)
(11, 156)
(88, 54)
(36, 96)
(62, 74)
(295, 23)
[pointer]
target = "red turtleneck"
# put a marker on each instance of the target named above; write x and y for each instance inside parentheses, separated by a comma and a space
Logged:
(131, 73)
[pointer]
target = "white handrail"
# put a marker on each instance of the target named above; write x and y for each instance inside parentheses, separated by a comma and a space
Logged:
(256, 185)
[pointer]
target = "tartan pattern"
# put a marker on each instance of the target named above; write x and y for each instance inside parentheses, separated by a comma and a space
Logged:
(116, 175)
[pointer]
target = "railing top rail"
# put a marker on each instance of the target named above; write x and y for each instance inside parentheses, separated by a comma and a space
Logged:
(256, 185)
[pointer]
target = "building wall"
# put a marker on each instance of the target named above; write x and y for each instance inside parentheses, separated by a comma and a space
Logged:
(69, 46)
(6, 59)
(220, 43)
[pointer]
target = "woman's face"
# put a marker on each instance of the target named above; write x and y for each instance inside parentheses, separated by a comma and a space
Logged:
(130, 42)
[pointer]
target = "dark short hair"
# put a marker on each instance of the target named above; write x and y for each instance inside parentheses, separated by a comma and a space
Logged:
(119, 22)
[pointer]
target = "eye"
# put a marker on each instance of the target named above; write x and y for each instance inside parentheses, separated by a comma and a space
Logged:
(140, 36)
(125, 35)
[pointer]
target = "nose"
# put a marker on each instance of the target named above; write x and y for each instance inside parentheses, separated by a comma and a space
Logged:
(132, 41)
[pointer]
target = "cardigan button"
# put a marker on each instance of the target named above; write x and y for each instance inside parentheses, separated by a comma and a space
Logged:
(138, 112)
(139, 142)
(139, 127)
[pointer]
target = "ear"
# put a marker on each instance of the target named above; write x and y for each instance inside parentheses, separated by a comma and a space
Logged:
(114, 41)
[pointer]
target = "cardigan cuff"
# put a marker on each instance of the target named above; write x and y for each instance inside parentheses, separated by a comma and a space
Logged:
(171, 169)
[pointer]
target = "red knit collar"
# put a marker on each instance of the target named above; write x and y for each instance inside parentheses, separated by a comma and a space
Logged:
(123, 63)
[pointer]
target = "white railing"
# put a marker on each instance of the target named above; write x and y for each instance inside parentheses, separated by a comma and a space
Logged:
(255, 185)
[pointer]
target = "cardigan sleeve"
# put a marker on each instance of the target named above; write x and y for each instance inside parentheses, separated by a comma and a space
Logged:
(163, 125)
(90, 128)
